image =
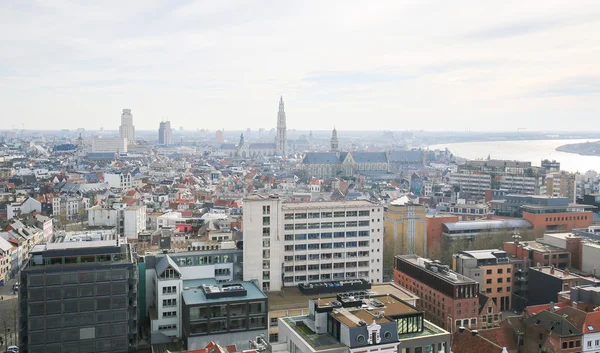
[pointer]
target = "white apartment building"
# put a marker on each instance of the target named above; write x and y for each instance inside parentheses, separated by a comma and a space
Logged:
(69, 206)
(472, 186)
(134, 221)
(129, 221)
(288, 243)
(119, 180)
(27, 206)
(518, 184)
(109, 145)
(168, 276)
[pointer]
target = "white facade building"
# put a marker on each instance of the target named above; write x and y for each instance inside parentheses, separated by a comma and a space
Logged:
(130, 220)
(127, 130)
(109, 145)
(69, 206)
(119, 180)
(286, 244)
(472, 186)
(27, 206)
(591, 339)
(134, 221)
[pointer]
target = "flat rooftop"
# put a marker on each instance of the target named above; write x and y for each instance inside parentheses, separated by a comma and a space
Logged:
(193, 293)
(449, 276)
(387, 306)
(292, 298)
(558, 273)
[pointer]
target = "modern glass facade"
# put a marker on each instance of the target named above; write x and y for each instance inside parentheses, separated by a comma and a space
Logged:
(82, 299)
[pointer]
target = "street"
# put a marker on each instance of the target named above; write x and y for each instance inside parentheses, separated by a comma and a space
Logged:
(8, 325)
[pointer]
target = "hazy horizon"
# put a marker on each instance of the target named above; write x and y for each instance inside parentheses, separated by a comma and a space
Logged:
(377, 66)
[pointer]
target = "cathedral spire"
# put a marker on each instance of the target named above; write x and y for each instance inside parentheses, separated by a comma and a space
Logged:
(281, 138)
(334, 141)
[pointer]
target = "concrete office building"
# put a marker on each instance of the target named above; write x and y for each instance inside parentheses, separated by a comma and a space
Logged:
(492, 269)
(127, 130)
(165, 133)
(79, 296)
(361, 322)
(449, 299)
(288, 243)
(472, 185)
(109, 145)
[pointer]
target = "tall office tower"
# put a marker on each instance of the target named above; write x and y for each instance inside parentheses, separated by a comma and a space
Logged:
(334, 141)
(127, 130)
(165, 134)
(79, 295)
(281, 138)
(289, 243)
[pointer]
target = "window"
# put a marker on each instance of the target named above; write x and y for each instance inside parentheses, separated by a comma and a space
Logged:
(266, 221)
(488, 281)
(363, 213)
(169, 314)
(266, 209)
(499, 280)
(488, 272)
(499, 271)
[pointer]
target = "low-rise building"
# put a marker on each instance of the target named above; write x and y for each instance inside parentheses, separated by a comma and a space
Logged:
(361, 322)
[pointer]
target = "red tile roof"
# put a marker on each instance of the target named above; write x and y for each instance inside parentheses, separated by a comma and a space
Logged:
(592, 322)
(465, 342)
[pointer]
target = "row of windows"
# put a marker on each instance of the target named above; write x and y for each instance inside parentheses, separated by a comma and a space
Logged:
(336, 214)
(224, 310)
(326, 276)
(326, 266)
(56, 279)
(568, 218)
(326, 225)
(315, 236)
(337, 255)
(499, 271)
(73, 320)
(74, 334)
(73, 306)
(224, 325)
(316, 246)
(86, 290)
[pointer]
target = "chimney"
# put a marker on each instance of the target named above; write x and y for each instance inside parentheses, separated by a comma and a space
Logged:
(474, 332)
(566, 272)
(552, 270)
(551, 307)
(461, 329)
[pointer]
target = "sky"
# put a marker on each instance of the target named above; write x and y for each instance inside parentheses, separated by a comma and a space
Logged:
(356, 65)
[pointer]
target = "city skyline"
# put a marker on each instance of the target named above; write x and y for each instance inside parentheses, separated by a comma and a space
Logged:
(398, 66)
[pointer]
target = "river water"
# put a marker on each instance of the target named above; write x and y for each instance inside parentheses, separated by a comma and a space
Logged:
(532, 151)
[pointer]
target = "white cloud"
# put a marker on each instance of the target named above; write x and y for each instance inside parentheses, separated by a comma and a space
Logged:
(213, 64)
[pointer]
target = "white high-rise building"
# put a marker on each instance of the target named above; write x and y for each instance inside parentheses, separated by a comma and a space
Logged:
(288, 243)
(165, 134)
(127, 130)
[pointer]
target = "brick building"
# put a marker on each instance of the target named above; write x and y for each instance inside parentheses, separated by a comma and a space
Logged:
(449, 299)
(434, 231)
(493, 271)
